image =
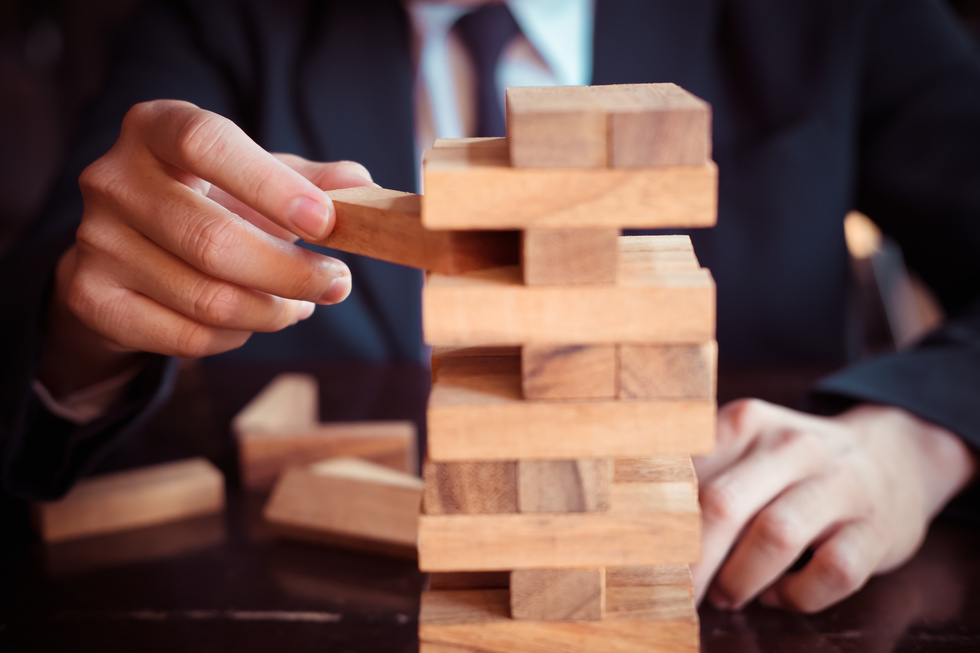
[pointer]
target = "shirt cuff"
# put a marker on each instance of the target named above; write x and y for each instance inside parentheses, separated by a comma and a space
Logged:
(89, 403)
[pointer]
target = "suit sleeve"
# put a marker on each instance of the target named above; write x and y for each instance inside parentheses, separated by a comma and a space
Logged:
(168, 52)
(919, 179)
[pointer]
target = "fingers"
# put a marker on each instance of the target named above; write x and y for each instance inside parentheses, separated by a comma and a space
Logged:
(840, 566)
(213, 148)
(329, 176)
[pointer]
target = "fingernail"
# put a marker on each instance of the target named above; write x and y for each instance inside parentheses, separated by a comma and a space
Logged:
(719, 599)
(306, 310)
(337, 291)
(308, 217)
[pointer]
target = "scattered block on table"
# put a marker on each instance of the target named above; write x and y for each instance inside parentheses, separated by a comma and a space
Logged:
(289, 401)
(466, 187)
(564, 485)
(645, 305)
(387, 225)
(646, 524)
(569, 371)
(558, 594)
(656, 125)
(570, 257)
(668, 371)
(480, 414)
(469, 580)
(263, 455)
(656, 469)
(470, 487)
(348, 502)
(652, 576)
(638, 620)
(556, 127)
(133, 499)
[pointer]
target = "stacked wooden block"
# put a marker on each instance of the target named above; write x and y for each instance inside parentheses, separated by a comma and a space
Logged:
(560, 503)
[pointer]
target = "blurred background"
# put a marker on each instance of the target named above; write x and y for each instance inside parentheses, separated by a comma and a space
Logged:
(53, 59)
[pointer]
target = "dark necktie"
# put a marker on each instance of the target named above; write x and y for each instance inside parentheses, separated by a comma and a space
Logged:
(486, 31)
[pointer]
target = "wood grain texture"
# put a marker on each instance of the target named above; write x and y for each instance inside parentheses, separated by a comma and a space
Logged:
(666, 371)
(652, 576)
(476, 413)
(556, 127)
(659, 252)
(646, 524)
(563, 485)
(647, 305)
(387, 225)
(466, 186)
(569, 257)
(470, 487)
(288, 402)
(132, 499)
(656, 125)
(558, 594)
(348, 502)
(655, 469)
(263, 455)
(638, 620)
(569, 371)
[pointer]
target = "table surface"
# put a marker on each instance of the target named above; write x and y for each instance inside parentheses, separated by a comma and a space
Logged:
(225, 583)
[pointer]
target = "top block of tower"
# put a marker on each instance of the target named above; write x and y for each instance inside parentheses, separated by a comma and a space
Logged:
(617, 126)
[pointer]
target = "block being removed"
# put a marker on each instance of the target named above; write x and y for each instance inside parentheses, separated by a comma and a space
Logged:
(133, 499)
(564, 485)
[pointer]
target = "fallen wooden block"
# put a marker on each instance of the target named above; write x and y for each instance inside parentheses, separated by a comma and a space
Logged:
(569, 257)
(646, 524)
(557, 127)
(569, 371)
(387, 225)
(638, 620)
(646, 305)
(666, 371)
(350, 503)
(132, 499)
(470, 487)
(656, 125)
(558, 594)
(564, 485)
(466, 186)
(263, 455)
(478, 413)
(288, 402)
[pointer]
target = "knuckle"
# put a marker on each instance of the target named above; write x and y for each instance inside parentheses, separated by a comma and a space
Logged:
(839, 569)
(217, 303)
(777, 533)
(212, 241)
(740, 417)
(719, 504)
(194, 340)
(200, 137)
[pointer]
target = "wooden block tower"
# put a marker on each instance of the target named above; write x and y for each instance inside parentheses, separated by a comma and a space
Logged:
(569, 392)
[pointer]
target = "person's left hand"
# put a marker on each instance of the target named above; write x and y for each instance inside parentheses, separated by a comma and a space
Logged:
(858, 490)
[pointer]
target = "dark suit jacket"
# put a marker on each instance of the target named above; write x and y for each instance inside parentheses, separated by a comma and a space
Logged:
(820, 106)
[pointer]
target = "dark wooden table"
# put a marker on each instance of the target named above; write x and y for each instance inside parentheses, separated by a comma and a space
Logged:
(224, 583)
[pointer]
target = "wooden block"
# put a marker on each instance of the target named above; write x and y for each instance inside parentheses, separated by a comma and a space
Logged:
(475, 356)
(387, 225)
(652, 576)
(658, 469)
(466, 186)
(563, 485)
(348, 502)
(556, 127)
(656, 125)
(487, 487)
(558, 594)
(646, 524)
(646, 305)
(469, 580)
(288, 402)
(263, 455)
(659, 252)
(638, 620)
(569, 257)
(668, 371)
(569, 371)
(477, 413)
(133, 499)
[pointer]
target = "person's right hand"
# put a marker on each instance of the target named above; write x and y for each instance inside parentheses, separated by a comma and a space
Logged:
(185, 247)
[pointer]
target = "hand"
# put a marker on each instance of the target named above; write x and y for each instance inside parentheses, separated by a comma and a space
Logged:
(185, 245)
(859, 490)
